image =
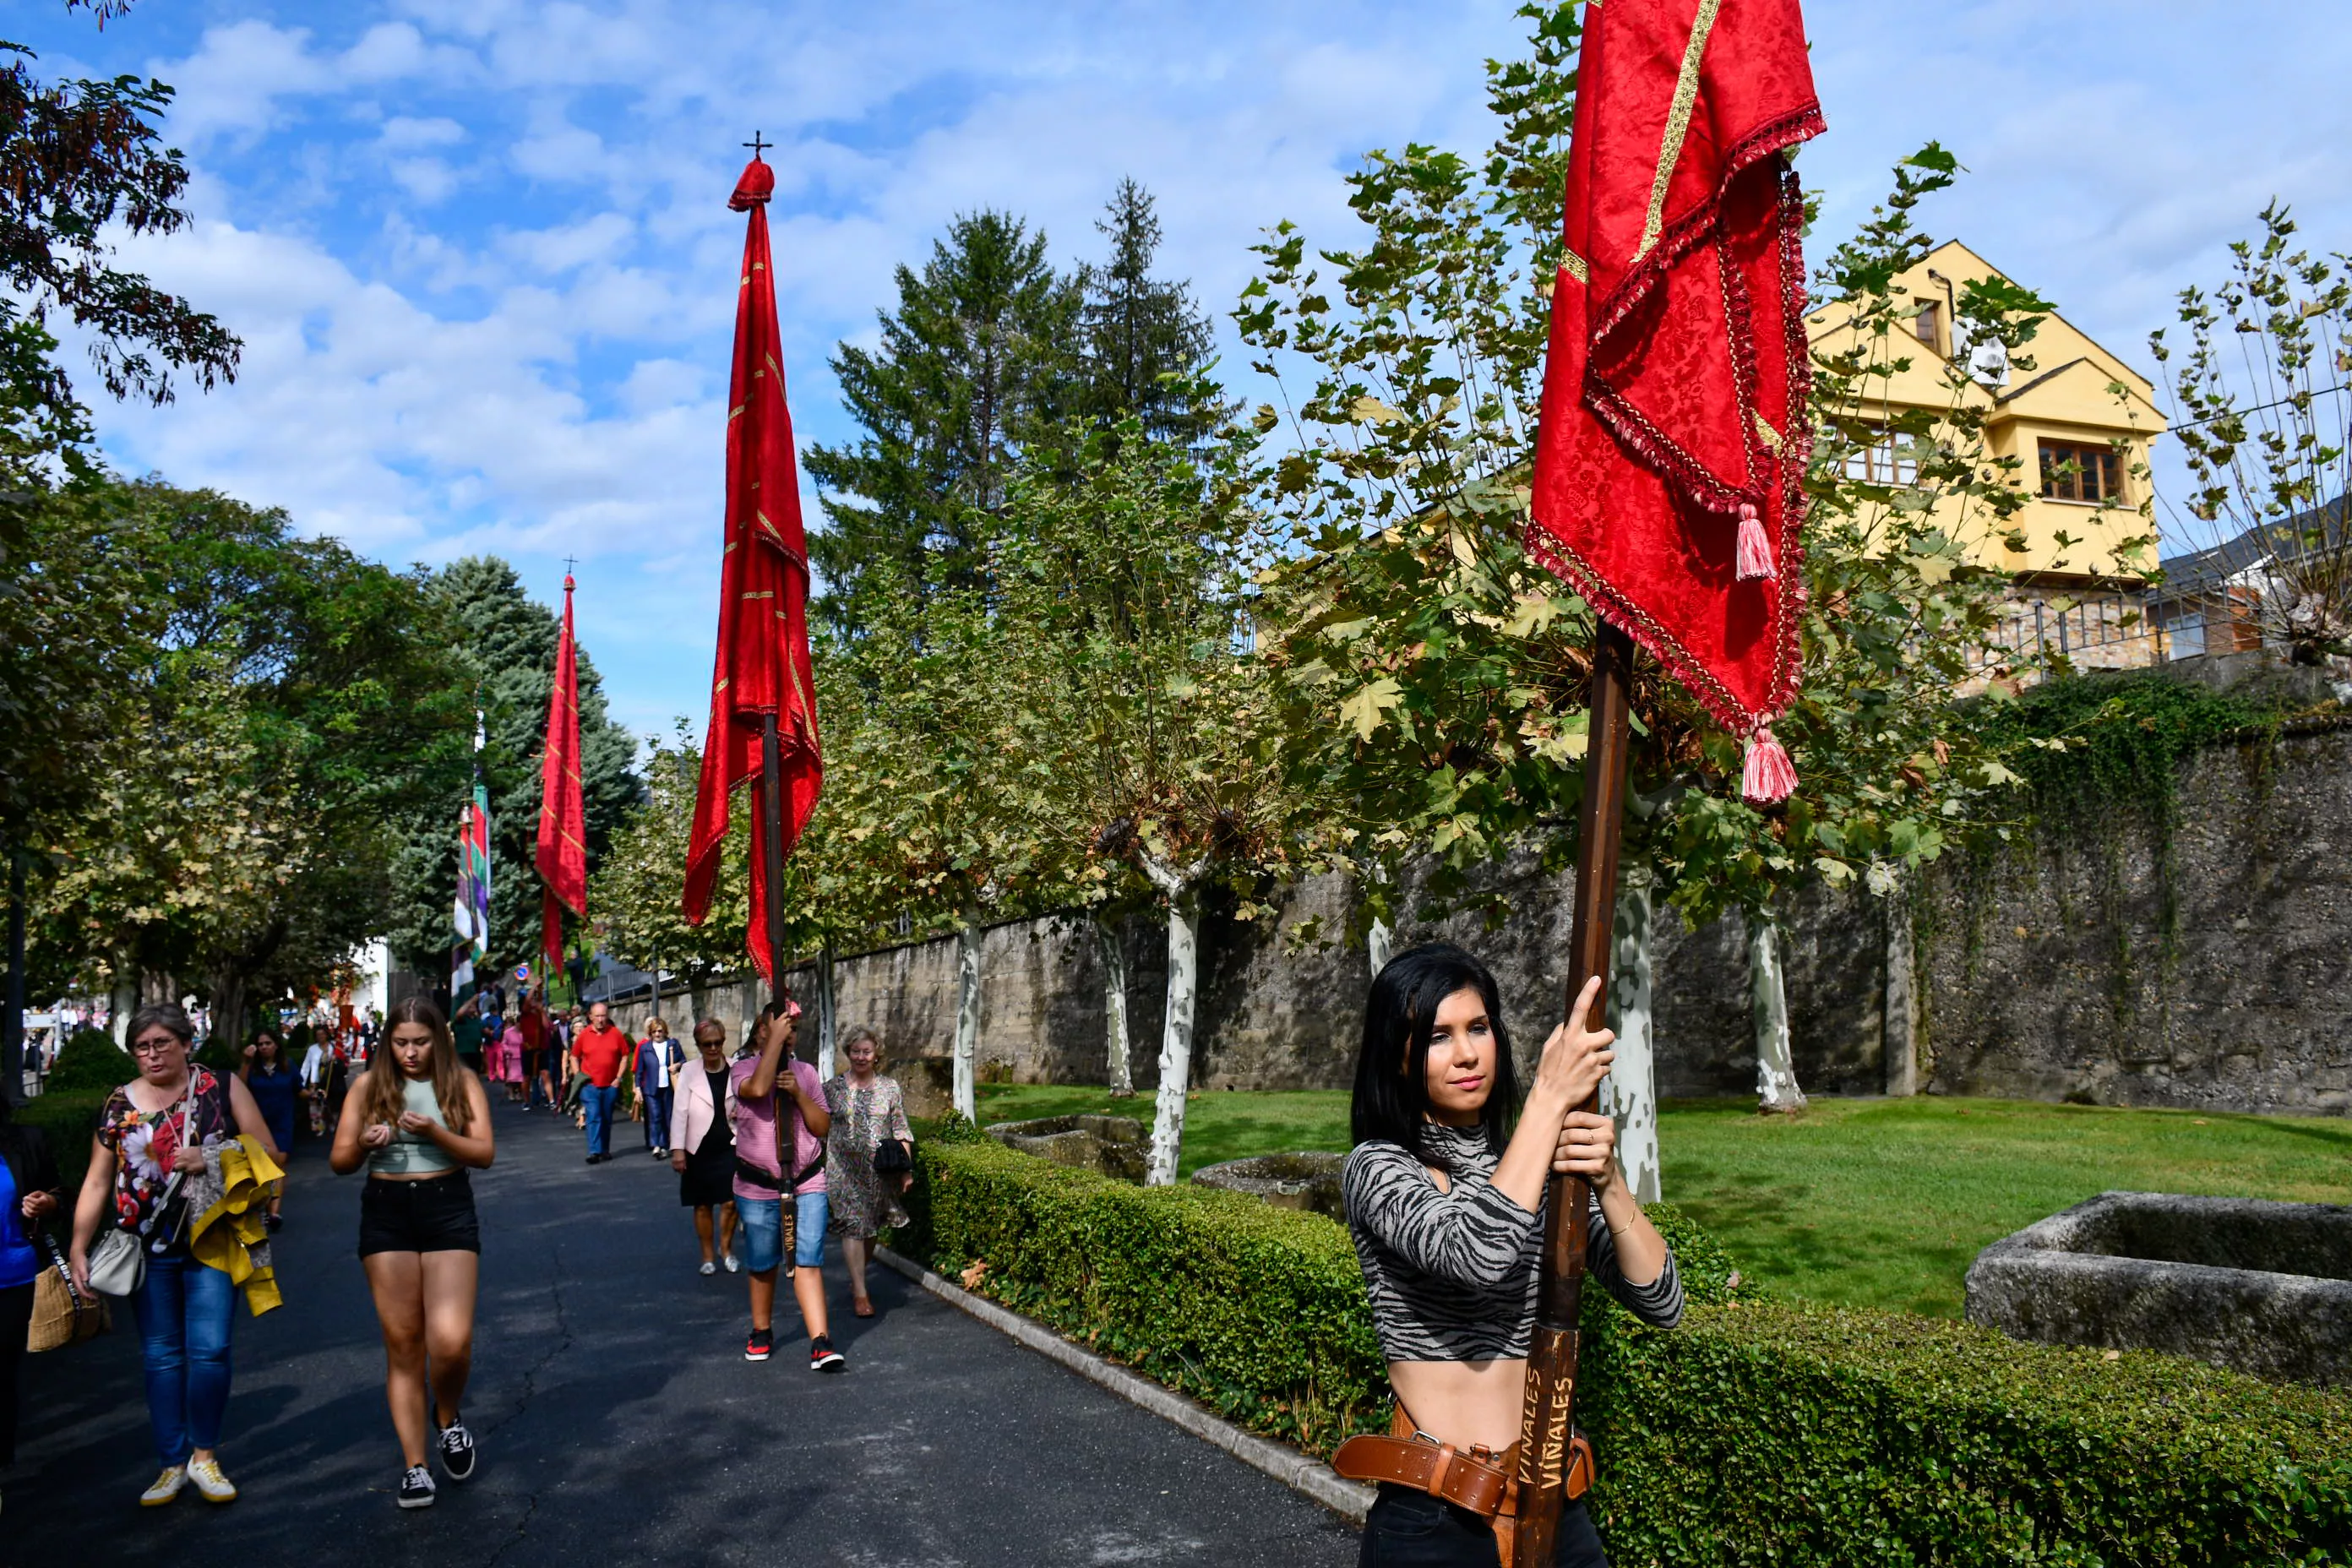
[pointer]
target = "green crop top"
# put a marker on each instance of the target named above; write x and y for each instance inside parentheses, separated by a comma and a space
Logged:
(413, 1153)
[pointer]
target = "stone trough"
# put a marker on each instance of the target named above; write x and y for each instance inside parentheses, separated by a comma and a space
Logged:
(2266, 1288)
(1287, 1181)
(1111, 1145)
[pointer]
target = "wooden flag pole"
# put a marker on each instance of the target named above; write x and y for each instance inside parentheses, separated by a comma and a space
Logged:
(1551, 1367)
(772, 822)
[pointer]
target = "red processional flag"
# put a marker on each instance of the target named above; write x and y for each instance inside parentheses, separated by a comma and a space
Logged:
(764, 666)
(1670, 460)
(562, 856)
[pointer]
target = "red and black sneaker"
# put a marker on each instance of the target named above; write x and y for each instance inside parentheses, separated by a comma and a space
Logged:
(822, 1357)
(760, 1345)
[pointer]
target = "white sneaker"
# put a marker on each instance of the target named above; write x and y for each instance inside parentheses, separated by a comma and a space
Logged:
(708, 1266)
(733, 1267)
(165, 1488)
(216, 1487)
(416, 1487)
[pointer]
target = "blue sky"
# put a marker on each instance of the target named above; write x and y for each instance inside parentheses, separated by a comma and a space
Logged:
(480, 255)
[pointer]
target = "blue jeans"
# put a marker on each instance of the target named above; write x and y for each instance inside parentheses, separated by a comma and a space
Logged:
(657, 1106)
(598, 1103)
(184, 1312)
(761, 1225)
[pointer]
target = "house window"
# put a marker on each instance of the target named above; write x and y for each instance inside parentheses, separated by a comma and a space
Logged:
(1927, 325)
(1888, 460)
(2073, 472)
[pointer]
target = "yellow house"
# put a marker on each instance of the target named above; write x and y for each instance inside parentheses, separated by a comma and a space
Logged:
(2078, 424)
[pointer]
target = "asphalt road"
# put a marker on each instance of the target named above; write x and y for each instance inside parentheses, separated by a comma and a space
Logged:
(619, 1423)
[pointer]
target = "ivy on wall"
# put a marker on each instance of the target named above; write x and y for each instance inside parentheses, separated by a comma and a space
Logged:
(2103, 759)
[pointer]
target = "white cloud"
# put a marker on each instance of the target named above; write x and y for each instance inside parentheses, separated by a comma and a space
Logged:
(480, 254)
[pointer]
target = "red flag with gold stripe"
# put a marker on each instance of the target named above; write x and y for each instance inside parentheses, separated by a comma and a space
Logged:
(562, 855)
(763, 664)
(1671, 457)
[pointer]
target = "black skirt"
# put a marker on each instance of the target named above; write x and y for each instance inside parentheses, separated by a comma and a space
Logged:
(709, 1179)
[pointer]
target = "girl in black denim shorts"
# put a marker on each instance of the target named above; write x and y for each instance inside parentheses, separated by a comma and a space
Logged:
(420, 1122)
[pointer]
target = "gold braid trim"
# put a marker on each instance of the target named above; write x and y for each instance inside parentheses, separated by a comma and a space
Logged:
(1678, 119)
(1573, 265)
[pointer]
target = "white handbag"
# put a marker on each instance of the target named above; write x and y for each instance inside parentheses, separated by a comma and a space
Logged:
(117, 1264)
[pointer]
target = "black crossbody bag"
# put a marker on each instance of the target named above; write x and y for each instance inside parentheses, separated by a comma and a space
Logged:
(759, 1176)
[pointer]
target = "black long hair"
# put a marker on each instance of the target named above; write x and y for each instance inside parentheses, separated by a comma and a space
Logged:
(1391, 1099)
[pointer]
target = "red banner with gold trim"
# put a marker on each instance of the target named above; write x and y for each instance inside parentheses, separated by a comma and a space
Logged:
(763, 664)
(1668, 486)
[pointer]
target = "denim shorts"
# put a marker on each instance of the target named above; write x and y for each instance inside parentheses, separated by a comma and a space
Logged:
(762, 1221)
(435, 1213)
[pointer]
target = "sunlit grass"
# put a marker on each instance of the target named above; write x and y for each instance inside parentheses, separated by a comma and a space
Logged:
(1876, 1203)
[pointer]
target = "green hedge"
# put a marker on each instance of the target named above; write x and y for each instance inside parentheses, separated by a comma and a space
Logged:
(1758, 1433)
(68, 1117)
(90, 1059)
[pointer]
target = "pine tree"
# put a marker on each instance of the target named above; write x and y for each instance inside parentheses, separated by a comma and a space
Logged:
(1146, 342)
(508, 648)
(979, 354)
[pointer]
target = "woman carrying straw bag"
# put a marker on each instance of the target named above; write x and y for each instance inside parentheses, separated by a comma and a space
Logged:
(28, 1195)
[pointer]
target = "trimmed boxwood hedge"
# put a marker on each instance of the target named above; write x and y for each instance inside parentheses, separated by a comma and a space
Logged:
(1758, 1433)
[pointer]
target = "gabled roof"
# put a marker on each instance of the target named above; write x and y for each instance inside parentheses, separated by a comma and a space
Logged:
(2058, 346)
(2207, 569)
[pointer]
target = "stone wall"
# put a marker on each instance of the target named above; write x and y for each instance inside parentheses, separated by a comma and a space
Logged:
(2089, 968)
(2047, 974)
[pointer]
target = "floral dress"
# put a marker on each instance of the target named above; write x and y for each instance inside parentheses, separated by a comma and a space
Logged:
(862, 1118)
(150, 1196)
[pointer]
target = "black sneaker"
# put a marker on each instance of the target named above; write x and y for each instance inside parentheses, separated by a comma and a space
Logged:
(760, 1346)
(416, 1487)
(458, 1451)
(822, 1357)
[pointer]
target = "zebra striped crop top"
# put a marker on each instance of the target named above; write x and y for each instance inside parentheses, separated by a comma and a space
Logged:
(1452, 1275)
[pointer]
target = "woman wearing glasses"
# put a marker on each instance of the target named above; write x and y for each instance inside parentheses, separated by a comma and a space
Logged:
(152, 1138)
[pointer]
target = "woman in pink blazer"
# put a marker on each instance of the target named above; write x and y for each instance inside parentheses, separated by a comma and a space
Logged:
(702, 1143)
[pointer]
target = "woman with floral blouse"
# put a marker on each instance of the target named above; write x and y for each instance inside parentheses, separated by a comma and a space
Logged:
(867, 1111)
(153, 1136)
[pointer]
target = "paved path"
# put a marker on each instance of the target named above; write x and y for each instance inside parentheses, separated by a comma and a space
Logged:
(620, 1424)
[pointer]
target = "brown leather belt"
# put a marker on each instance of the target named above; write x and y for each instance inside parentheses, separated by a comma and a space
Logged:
(1478, 1478)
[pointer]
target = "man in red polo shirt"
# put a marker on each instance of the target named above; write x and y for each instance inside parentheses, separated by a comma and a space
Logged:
(601, 1049)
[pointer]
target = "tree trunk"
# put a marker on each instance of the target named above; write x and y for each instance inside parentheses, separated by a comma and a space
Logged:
(229, 986)
(1176, 1041)
(1114, 960)
(1379, 939)
(12, 1024)
(1633, 1080)
(1768, 999)
(125, 999)
(1899, 1031)
(967, 1035)
(694, 996)
(827, 1016)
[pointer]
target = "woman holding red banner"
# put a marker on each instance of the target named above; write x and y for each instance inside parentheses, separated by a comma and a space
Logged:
(1445, 1199)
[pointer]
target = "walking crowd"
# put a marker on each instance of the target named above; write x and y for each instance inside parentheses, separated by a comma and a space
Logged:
(1445, 1194)
(187, 1170)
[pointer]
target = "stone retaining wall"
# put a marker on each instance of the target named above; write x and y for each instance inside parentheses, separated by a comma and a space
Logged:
(2048, 975)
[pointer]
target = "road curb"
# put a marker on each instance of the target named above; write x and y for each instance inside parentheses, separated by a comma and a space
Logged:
(1310, 1479)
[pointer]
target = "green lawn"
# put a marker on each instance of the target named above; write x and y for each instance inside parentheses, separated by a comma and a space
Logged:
(1874, 1202)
